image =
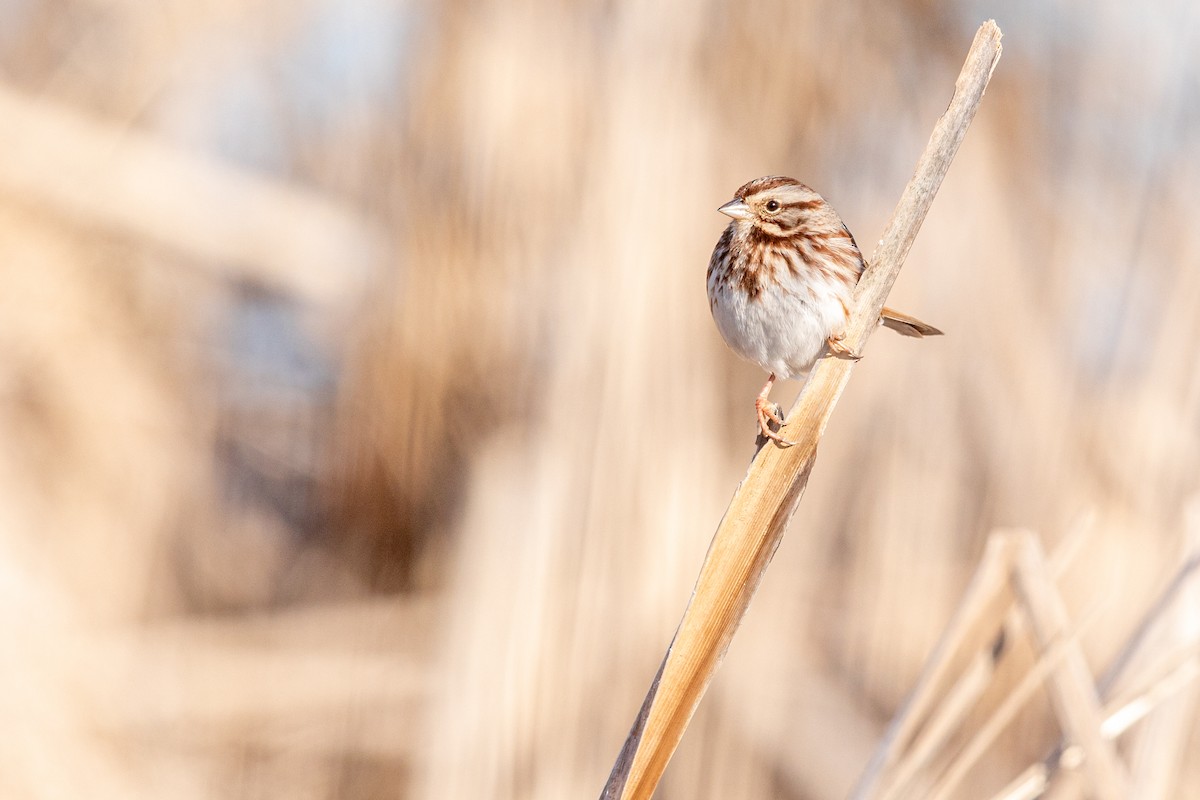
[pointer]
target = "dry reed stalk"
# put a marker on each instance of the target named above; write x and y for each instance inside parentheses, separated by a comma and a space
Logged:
(1071, 685)
(753, 525)
(982, 614)
(307, 668)
(972, 647)
(933, 715)
(1013, 561)
(984, 738)
(1165, 676)
(234, 222)
(940, 703)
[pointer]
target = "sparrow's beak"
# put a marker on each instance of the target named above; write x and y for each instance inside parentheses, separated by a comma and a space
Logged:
(736, 208)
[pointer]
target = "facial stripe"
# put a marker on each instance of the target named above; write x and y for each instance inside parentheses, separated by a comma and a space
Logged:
(765, 184)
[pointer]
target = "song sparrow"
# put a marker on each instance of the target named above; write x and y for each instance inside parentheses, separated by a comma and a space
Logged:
(780, 281)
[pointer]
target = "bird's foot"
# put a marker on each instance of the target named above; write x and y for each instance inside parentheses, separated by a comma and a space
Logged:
(838, 349)
(769, 412)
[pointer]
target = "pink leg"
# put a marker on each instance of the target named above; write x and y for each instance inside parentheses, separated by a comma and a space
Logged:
(765, 410)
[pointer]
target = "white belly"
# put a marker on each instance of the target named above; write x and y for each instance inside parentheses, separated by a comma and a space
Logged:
(782, 332)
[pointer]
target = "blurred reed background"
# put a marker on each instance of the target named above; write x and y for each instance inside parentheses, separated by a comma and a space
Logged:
(364, 425)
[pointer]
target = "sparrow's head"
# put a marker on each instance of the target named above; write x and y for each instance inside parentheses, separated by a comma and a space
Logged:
(778, 206)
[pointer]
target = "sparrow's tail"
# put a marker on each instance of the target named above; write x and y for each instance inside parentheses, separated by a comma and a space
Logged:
(905, 325)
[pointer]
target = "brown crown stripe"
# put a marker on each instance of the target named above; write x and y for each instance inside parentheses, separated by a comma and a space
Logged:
(766, 184)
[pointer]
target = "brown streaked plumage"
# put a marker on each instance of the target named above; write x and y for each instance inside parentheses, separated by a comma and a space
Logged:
(780, 281)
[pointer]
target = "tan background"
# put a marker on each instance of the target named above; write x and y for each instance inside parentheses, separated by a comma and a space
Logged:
(363, 425)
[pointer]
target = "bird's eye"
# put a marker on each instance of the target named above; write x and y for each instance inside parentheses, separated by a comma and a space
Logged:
(772, 205)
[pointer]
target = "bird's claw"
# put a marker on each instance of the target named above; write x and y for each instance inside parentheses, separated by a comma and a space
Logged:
(769, 412)
(839, 350)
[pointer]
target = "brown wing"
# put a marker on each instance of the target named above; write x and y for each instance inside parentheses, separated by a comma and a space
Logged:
(905, 325)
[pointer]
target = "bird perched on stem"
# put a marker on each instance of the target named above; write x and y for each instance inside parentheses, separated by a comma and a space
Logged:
(780, 283)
